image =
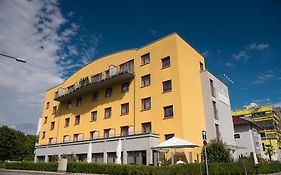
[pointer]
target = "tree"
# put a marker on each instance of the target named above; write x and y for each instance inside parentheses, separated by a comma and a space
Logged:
(217, 151)
(15, 145)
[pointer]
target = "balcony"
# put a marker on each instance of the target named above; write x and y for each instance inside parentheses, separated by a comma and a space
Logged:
(115, 74)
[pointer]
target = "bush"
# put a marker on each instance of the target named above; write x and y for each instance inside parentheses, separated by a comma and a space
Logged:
(32, 166)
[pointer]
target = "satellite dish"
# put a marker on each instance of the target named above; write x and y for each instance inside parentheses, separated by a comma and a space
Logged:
(112, 71)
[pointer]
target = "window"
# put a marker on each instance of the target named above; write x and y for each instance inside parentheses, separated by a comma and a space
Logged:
(43, 135)
(146, 103)
(166, 62)
(52, 125)
(108, 92)
(124, 130)
(66, 122)
(51, 140)
(107, 112)
(215, 110)
(217, 131)
(106, 133)
(201, 66)
(45, 119)
(168, 111)
(69, 105)
(124, 108)
(236, 136)
(75, 137)
(125, 87)
(94, 135)
(54, 110)
(94, 115)
(66, 138)
(79, 102)
(146, 127)
(168, 136)
(95, 96)
(47, 105)
(212, 88)
(77, 120)
(145, 59)
(145, 80)
(167, 86)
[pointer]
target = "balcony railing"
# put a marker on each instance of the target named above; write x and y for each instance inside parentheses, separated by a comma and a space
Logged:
(111, 76)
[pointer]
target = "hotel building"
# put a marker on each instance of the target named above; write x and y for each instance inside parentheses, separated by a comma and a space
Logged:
(140, 96)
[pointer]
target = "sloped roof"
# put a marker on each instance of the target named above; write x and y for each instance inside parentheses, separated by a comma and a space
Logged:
(243, 121)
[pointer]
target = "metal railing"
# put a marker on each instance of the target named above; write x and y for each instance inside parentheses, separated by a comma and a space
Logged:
(124, 68)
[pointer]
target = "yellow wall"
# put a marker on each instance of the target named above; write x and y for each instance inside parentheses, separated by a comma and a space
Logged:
(186, 96)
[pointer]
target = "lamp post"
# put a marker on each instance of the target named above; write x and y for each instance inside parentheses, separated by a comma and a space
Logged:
(15, 58)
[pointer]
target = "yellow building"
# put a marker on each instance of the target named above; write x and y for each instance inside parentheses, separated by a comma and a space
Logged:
(268, 118)
(154, 90)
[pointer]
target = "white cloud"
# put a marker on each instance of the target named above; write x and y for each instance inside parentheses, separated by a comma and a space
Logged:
(255, 46)
(242, 55)
(32, 30)
(229, 64)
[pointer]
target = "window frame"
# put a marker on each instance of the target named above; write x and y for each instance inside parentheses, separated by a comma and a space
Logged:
(163, 86)
(93, 119)
(143, 80)
(108, 90)
(79, 118)
(144, 102)
(52, 126)
(105, 112)
(126, 105)
(65, 122)
(144, 59)
(166, 112)
(95, 96)
(125, 85)
(78, 102)
(163, 61)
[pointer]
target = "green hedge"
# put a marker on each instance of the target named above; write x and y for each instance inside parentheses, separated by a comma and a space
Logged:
(190, 169)
(52, 166)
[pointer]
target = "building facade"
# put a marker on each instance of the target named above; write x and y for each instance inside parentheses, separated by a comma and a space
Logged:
(268, 118)
(153, 92)
(217, 109)
(247, 137)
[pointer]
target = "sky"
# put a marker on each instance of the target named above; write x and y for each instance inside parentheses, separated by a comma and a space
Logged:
(240, 39)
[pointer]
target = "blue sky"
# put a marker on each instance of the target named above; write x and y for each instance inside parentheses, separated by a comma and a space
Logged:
(238, 38)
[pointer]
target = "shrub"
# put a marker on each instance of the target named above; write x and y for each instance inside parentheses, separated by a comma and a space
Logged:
(52, 166)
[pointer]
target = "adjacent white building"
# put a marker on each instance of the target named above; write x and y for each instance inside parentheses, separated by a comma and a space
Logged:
(247, 136)
(217, 110)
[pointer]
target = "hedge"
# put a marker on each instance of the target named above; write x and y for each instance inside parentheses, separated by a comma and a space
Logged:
(190, 169)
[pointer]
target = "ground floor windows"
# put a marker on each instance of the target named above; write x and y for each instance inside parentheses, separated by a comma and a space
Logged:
(136, 157)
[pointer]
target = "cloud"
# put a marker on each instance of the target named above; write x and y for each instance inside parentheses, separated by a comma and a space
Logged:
(265, 77)
(38, 32)
(229, 64)
(242, 55)
(255, 46)
(205, 53)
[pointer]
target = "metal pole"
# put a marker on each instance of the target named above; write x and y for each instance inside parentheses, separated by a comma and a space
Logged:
(206, 161)
(15, 58)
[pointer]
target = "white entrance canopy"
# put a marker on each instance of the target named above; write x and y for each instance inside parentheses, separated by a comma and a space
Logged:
(175, 142)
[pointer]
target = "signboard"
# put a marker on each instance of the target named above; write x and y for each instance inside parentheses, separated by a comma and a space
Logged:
(204, 135)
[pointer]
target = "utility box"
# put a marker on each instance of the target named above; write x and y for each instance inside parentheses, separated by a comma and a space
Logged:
(62, 165)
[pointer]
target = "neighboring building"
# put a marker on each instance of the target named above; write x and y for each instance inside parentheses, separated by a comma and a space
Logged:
(247, 137)
(217, 109)
(268, 118)
(141, 96)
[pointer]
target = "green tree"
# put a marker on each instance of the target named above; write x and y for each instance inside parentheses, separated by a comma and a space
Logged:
(15, 145)
(217, 151)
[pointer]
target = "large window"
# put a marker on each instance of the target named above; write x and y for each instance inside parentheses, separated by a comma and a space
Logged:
(107, 112)
(124, 130)
(52, 125)
(79, 102)
(145, 59)
(125, 87)
(166, 62)
(66, 122)
(77, 120)
(124, 108)
(108, 92)
(167, 86)
(145, 80)
(94, 115)
(146, 103)
(146, 127)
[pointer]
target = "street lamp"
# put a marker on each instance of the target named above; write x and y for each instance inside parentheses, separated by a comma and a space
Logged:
(15, 58)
